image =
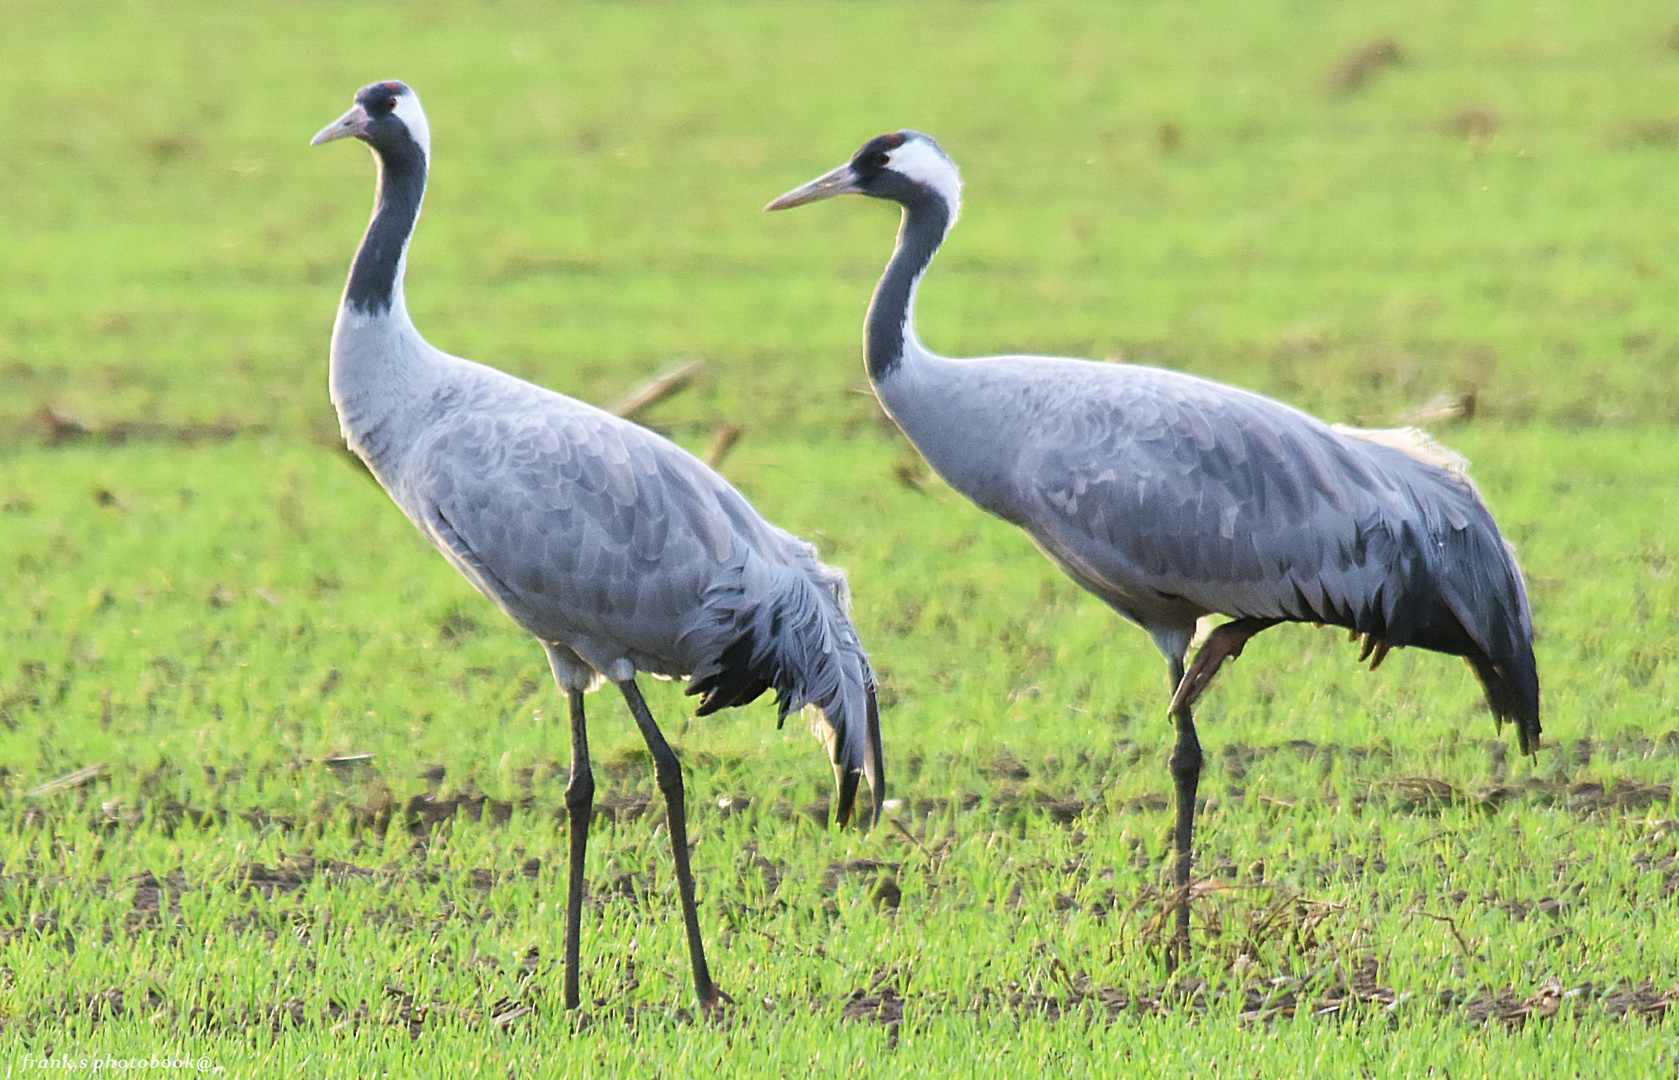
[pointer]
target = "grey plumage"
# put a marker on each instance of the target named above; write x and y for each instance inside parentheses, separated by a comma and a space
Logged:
(625, 552)
(621, 552)
(1172, 497)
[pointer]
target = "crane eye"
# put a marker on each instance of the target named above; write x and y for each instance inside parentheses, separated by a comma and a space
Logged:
(882, 159)
(391, 104)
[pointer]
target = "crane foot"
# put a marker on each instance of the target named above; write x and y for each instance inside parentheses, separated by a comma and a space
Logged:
(1224, 643)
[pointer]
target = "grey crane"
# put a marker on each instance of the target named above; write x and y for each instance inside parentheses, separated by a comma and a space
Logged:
(1173, 497)
(620, 551)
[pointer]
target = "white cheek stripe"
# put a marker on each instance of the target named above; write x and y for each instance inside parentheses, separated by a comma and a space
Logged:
(924, 163)
(409, 112)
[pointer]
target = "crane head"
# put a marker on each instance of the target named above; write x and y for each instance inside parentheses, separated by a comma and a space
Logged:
(904, 166)
(386, 116)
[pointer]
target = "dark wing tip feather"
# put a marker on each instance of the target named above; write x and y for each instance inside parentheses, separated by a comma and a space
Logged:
(1480, 611)
(773, 657)
(847, 801)
(1490, 603)
(1513, 692)
(874, 764)
(873, 770)
(734, 681)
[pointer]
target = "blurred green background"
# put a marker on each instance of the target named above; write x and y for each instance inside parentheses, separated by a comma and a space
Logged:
(1165, 182)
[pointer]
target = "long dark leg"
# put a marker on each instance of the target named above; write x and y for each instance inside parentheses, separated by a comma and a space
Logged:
(668, 772)
(1224, 643)
(1186, 775)
(579, 801)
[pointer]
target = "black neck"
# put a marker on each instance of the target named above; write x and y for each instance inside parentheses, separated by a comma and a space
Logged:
(926, 220)
(374, 277)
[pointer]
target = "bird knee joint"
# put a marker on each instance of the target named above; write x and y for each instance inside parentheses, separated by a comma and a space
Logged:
(668, 777)
(580, 793)
(1186, 762)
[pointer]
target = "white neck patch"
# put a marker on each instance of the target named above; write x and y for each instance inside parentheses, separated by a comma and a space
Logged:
(921, 160)
(414, 118)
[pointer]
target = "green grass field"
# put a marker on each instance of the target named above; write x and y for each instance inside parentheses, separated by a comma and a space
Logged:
(279, 791)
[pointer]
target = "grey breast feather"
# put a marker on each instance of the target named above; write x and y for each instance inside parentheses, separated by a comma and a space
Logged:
(575, 522)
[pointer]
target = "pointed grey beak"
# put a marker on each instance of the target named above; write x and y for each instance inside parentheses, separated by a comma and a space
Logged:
(826, 186)
(351, 123)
